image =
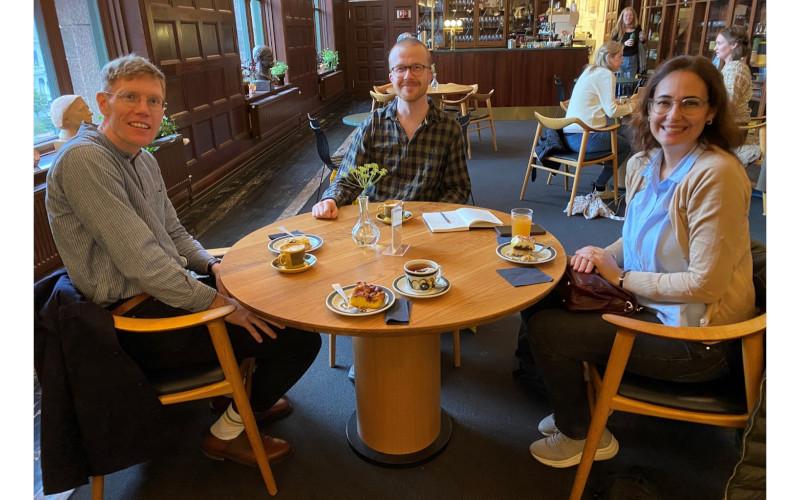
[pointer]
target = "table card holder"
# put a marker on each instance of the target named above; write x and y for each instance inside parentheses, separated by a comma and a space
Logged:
(397, 247)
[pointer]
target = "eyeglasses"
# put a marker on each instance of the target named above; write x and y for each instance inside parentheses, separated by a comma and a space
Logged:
(155, 103)
(687, 105)
(416, 69)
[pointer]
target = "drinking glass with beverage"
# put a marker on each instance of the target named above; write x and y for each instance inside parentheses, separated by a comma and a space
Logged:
(521, 221)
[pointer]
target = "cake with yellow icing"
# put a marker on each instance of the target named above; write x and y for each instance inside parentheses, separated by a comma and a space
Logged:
(303, 240)
(367, 296)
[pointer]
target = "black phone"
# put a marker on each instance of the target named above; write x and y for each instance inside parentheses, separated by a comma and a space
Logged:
(506, 230)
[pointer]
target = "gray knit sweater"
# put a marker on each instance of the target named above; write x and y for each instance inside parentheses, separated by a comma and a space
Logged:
(116, 231)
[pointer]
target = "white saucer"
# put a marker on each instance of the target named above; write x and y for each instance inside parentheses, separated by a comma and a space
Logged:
(540, 255)
(337, 304)
(276, 244)
(388, 220)
(400, 284)
(308, 263)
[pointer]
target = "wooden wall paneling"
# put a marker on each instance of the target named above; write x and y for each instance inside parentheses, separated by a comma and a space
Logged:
(138, 29)
(367, 46)
(398, 26)
(340, 36)
(331, 85)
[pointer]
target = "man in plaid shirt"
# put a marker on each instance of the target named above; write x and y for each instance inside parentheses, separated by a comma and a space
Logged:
(420, 146)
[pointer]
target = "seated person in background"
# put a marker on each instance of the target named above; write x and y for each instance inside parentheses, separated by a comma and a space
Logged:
(68, 112)
(731, 48)
(594, 103)
(420, 146)
(684, 253)
(118, 236)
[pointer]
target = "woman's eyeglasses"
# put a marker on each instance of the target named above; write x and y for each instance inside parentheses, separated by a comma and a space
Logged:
(155, 103)
(416, 69)
(687, 105)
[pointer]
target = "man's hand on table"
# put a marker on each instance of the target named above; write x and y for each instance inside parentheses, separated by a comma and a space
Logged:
(245, 318)
(325, 209)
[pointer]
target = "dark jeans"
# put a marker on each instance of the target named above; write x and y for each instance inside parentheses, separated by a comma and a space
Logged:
(279, 363)
(560, 340)
(601, 141)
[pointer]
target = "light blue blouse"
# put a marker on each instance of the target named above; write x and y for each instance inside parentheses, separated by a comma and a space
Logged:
(648, 239)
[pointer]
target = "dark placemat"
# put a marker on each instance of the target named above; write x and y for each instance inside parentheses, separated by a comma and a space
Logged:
(399, 313)
(523, 276)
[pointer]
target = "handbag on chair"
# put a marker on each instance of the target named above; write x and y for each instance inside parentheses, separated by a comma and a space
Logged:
(591, 292)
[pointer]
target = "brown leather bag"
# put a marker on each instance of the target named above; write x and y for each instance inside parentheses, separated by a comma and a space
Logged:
(591, 292)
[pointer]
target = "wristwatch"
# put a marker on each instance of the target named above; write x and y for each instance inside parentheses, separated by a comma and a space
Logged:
(622, 278)
(214, 260)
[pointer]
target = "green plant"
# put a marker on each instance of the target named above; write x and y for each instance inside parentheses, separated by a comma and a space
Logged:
(167, 127)
(279, 69)
(330, 58)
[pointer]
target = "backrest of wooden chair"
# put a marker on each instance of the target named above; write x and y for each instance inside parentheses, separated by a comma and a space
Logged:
(559, 123)
(477, 99)
(379, 100)
(386, 88)
(564, 105)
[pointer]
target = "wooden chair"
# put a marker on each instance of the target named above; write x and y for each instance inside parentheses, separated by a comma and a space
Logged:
(380, 100)
(386, 88)
(570, 158)
(478, 118)
(224, 378)
(727, 402)
(460, 105)
(759, 125)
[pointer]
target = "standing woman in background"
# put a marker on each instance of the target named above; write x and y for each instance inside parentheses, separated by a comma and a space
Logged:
(731, 48)
(629, 33)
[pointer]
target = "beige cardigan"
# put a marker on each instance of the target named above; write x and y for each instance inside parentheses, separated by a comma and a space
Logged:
(709, 214)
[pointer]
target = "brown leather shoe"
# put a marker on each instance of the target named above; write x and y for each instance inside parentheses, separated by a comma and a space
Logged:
(282, 408)
(239, 450)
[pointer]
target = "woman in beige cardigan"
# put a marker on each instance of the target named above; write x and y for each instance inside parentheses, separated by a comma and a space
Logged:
(684, 253)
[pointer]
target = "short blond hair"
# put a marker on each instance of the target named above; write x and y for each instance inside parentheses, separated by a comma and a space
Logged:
(408, 40)
(130, 66)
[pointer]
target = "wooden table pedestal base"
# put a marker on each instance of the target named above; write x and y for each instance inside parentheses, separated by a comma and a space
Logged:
(398, 419)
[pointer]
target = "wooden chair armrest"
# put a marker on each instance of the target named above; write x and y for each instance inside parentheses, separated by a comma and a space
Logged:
(129, 304)
(689, 333)
(607, 128)
(218, 252)
(459, 101)
(149, 325)
(752, 125)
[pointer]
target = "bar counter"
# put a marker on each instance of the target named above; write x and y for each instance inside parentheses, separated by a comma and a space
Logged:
(520, 77)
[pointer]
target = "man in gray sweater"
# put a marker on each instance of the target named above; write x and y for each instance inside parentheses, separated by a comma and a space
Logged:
(118, 236)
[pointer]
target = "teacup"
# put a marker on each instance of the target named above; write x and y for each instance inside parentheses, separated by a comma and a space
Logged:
(293, 256)
(388, 205)
(422, 274)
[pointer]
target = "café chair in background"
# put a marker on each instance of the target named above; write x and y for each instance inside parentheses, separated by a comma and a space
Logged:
(380, 100)
(386, 88)
(480, 118)
(577, 160)
(323, 150)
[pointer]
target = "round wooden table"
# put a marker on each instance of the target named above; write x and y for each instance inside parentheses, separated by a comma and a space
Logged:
(398, 419)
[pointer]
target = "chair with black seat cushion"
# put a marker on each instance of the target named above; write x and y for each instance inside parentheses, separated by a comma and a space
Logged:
(726, 402)
(578, 160)
(323, 150)
(216, 379)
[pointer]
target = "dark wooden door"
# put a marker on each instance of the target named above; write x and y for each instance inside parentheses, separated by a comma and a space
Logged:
(367, 46)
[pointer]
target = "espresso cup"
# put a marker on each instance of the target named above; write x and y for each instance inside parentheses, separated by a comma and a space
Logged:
(388, 205)
(293, 256)
(422, 274)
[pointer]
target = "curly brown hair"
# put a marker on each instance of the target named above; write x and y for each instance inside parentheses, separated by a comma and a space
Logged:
(722, 130)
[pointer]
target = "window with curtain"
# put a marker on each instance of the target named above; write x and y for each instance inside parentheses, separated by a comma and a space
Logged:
(84, 54)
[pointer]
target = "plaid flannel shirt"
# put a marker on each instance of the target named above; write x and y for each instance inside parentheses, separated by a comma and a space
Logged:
(431, 166)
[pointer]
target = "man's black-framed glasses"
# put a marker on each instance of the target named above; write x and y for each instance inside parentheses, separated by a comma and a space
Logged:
(416, 69)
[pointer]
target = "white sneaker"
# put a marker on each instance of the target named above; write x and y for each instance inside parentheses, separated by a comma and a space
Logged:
(547, 426)
(557, 450)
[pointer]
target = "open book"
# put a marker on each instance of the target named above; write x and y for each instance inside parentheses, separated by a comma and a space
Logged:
(459, 220)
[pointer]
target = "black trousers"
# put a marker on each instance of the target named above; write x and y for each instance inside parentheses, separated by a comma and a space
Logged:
(560, 340)
(279, 363)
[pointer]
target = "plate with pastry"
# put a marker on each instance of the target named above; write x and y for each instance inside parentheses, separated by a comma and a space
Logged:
(388, 220)
(364, 299)
(310, 241)
(523, 250)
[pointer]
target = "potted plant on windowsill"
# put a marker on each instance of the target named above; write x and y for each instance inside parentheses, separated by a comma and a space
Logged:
(278, 72)
(330, 58)
(167, 133)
